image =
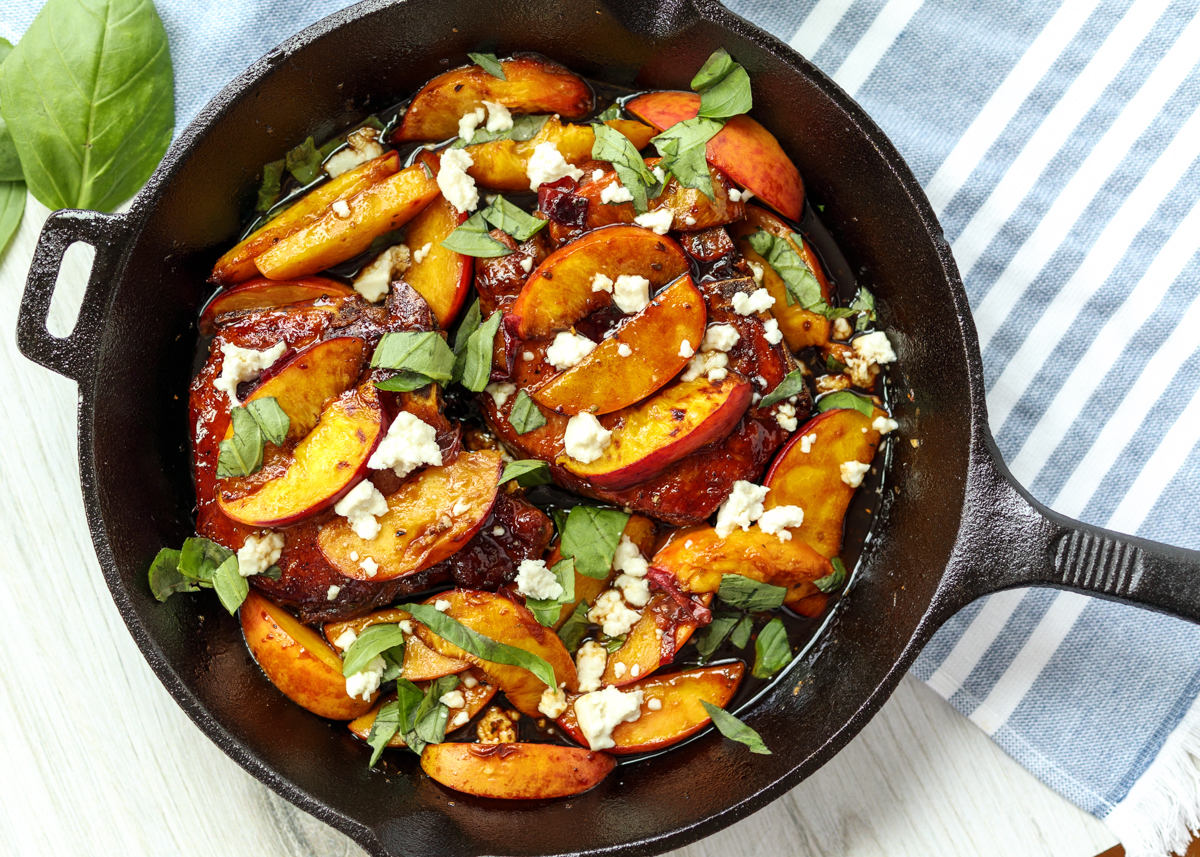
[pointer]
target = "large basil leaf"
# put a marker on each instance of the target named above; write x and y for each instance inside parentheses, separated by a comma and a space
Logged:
(12, 206)
(10, 163)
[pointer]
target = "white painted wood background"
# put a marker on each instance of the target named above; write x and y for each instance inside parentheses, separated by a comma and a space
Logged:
(96, 759)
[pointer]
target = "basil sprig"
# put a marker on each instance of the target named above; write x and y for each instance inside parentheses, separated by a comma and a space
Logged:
(253, 425)
(724, 87)
(472, 238)
(801, 284)
(506, 217)
(418, 716)
(473, 364)
(792, 383)
(528, 472)
(525, 127)
(202, 563)
(683, 149)
(370, 644)
(419, 358)
(488, 63)
(165, 577)
(572, 631)
(734, 729)
(772, 651)
(591, 537)
(525, 416)
(747, 594)
(613, 146)
(547, 610)
(844, 399)
(230, 586)
(834, 579)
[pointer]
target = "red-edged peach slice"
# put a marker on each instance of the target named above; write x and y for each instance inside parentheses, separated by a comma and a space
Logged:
(441, 276)
(639, 529)
(813, 480)
(533, 85)
(298, 661)
(349, 225)
(421, 663)
(516, 771)
(692, 211)
(321, 468)
(475, 697)
(679, 712)
(261, 293)
(559, 291)
(237, 265)
(642, 652)
(652, 435)
(604, 381)
(500, 618)
(421, 526)
(743, 148)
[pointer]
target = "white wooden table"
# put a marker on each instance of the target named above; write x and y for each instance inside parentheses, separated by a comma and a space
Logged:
(97, 759)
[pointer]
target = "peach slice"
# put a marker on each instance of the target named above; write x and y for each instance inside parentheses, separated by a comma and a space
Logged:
(475, 697)
(298, 661)
(498, 617)
(516, 771)
(743, 148)
(559, 292)
(800, 327)
(534, 85)
(652, 435)
(679, 714)
(639, 529)
(813, 480)
(421, 663)
(237, 265)
(692, 210)
(322, 467)
(421, 527)
(642, 652)
(442, 276)
(604, 381)
(347, 227)
(261, 293)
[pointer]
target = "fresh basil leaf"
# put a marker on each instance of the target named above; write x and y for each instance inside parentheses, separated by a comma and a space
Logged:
(404, 381)
(560, 516)
(429, 720)
(477, 364)
(489, 63)
(505, 216)
(201, 557)
(547, 610)
(478, 645)
(613, 146)
(525, 127)
(468, 325)
(834, 312)
(613, 111)
(734, 729)
(272, 184)
(741, 634)
(834, 579)
(614, 644)
(525, 416)
(370, 644)
(231, 587)
(274, 573)
(573, 630)
(394, 660)
(683, 148)
(862, 322)
(591, 538)
(385, 727)
(271, 419)
(424, 353)
(792, 383)
(12, 206)
(472, 239)
(241, 454)
(165, 577)
(528, 472)
(10, 161)
(408, 699)
(88, 96)
(864, 301)
(304, 162)
(801, 284)
(772, 651)
(729, 97)
(845, 399)
(832, 364)
(714, 70)
(710, 638)
(746, 594)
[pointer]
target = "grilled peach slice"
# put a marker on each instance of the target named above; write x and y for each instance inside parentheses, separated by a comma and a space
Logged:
(503, 620)
(321, 468)
(261, 293)
(643, 650)
(639, 529)
(475, 697)
(652, 435)
(441, 276)
(692, 210)
(428, 519)
(559, 291)
(237, 265)
(813, 480)
(298, 661)
(420, 662)
(516, 771)
(533, 85)
(679, 712)
(347, 227)
(743, 148)
(605, 381)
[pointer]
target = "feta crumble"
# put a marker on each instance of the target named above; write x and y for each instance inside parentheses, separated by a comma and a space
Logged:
(244, 364)
(590, 662)
(736, 195)
(785, 415)
(874, 347)
(259, 553)
(453, 699)
(536, 581)
(628, 559)
(853, 472)
(553, 702)
(500, 392)
(471, 120)
(597, 174)
(657, 221)
(654, 704)
(453, 181)
(842, 329)
(423, 251)
(361, 146)
(346, 639)
(460, 719)
(624, 350)
(547, 165)
(333, 593)
(710, 363)
(884, 425)
(615, 193)
(741, 508)
(771, 331)
(585, 439)
(341, 209)
(601, 711)
(360, 507)
(601, 283)
(527, 264)
(720, 337)
(367, 680)
(568, 350)
(460, 506)
(375, 279)
(619, 669)
(759, 300)
(689, 221)
(409, 443)
(757, 271)
(611, 614)
(441, 605)
(499, 117)
(807, 441)
(631, 293)
(685, 349)
(775, 522)
(636, 590)
(369, 566)
(469, 681)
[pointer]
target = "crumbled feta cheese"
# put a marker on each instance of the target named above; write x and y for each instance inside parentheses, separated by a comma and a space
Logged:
(842, 329)
(244, 364)
(346, 639)
(736, 195)
(624, 350)
(460, 506)
(628, 559)
(659, 175)
(500, 391)
(636, 590)
(409, 443)
(453, 699)
(369, 566)
(657, 221)
(601, 283)
(635, 670)
(547, 165)
(259, 553)
(375, 279)
(874, 347)
(497, 531)
(367, 680)
(759, 300)
(585, 439)
(685, 349)
(452, 179)
(469, 681)
(441, 605)
(853, 472)
(341, 209)
(460, 719)
(527, 355)
(354, 555)
(361, 146)
(527, 264)
(775, 522)
(360, 507)
(689, 221)
(771, 331)
(654, 704)
(720, 337)
(590, 661)
(553, 703)
(615, 194)
(741, 508)
(423, 251)
(333, 593)
(597, 175)
(807, 441)
(785, 415)
(711, 363)
(611, 614)
(471, 120)
(757, 270)
(407, 628)
(832, 383)
(619, 669)
(536, 581)
(601, 711)
(884, 425)
(499, 117)
(631, 293)
(568, 349)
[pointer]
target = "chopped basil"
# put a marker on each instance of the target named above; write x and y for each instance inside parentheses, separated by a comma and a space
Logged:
(547, 610)
(832, 364)
(724, 87)
(713, 635)
(468, 325)
(591, 538)
(200, 559)
(505, 216)
(792, 383)
(387, 720)
(404, 381)
(488, 63)
(231, 587)
(272, 183)
(801, 283)
(834, 579)
(370, 644)
(741, 634)
(271, 419)
(274, 573)
(242, 454)
(525, 416)
(864, 302)
(613, 644)
(613, 111)
(845, 399)
(528, 472)
(525, 127)
(428, 722)
(613, 146)
(683, 147)
(772, 651)
(424, 353)
(393, 659)
(560, 517)
(472, 239)
(304, 162)
(714, 70)
(746, 594)
(572, 631)
(165, 577)
(476, 361)
(734, 729)
(478, 645)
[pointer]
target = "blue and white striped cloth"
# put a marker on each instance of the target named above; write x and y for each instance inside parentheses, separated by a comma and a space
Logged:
(1060, 145)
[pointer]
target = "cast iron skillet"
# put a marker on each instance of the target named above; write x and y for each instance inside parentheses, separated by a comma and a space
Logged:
(958, 528)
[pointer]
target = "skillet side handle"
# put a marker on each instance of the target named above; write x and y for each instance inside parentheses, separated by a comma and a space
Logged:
(1016, 541)
(73, 355)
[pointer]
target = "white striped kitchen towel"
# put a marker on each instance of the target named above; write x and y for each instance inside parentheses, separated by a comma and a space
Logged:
(1059, 144)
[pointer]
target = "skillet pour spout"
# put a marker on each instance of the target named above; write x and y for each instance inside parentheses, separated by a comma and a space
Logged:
(953, 527)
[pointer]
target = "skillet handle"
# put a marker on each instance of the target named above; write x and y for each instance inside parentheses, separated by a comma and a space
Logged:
(1035, 546)
(73, 355)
